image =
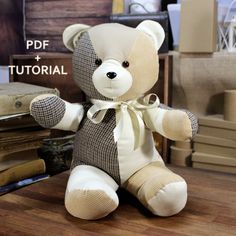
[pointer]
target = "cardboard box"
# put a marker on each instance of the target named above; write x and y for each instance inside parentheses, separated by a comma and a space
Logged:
(183, 144)
(229, 105)
(216, 126)
(213, 159)
(225, 169)
(217, 121)
(180, 157)
(212, 145)
(198, 27)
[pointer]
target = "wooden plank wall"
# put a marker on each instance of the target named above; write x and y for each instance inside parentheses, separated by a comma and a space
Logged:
(46, 19)
(11, 26)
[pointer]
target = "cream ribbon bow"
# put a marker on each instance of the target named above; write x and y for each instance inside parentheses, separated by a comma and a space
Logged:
(130, 108)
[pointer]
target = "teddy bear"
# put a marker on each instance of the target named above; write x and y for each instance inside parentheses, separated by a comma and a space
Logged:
(116, 66)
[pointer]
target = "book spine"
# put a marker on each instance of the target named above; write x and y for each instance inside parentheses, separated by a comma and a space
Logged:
(23, 171)
(11, 138)
(18, 147)
(19, 122)
(14, 159)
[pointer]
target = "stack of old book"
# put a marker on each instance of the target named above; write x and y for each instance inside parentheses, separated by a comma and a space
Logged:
(215, 145)
(20, 136)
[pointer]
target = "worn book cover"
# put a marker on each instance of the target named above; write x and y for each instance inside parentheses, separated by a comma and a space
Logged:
(17, 121)
(22, 171)
(23, 146)
(15, 97)
(16, 158)
(9, 187)
(14, 137)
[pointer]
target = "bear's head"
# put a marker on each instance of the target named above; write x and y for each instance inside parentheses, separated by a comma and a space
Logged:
(113, 61)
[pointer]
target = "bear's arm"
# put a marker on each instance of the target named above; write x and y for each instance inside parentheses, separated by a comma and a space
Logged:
(177, 125)
(50, 111)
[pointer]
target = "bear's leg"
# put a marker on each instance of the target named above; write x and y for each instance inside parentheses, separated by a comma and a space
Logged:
(91, 193)
(158, 189)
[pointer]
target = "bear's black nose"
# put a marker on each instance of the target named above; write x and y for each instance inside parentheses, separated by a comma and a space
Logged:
(111, 75)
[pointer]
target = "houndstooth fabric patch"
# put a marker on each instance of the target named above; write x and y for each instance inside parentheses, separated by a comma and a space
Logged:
(49, 111)
(94, 145)
(194, 122)
(84, 58)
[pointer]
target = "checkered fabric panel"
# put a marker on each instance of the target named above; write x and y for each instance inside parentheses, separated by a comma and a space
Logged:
(49, 111)
(94, 145)
(84, 66)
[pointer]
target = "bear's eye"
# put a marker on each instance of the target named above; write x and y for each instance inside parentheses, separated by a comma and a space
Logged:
(125, 64)
(98, 62)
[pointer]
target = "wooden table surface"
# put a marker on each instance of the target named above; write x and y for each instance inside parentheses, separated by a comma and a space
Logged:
(39, 210)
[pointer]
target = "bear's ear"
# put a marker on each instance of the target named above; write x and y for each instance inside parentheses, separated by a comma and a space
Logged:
(154, 30)
(72, 33)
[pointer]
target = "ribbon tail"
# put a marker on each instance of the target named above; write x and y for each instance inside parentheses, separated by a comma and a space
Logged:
(118, 130)
(139, 129)
(99, 116)
(100, 109)
(133, 109)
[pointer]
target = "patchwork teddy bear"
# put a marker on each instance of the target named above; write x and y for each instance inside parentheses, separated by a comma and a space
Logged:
(116, 66)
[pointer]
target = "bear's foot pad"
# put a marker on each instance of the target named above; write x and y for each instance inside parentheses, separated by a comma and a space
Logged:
(169, 200)
(90, 204)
